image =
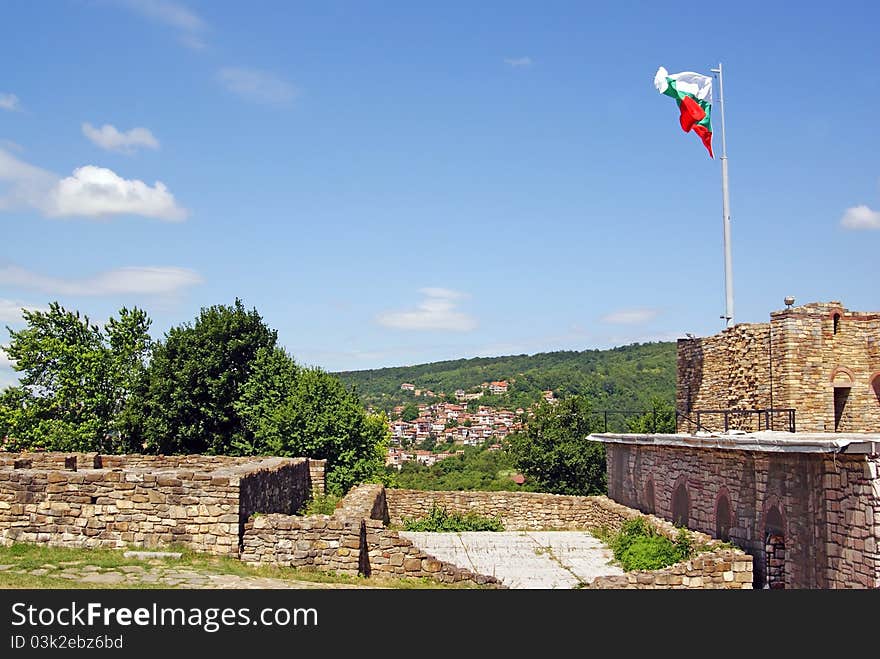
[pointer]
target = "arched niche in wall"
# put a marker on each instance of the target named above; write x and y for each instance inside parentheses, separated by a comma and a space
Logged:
(681, 503)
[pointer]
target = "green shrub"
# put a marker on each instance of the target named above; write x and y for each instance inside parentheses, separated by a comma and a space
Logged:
(649, 553)
(439, 519)
(320, 504)
(637, 546)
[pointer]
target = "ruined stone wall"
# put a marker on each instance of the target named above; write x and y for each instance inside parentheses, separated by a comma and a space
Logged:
(725, 569)
(196, 501)
(316, 473)
(794, 361)
(828, 507)
(517, 510)
(354, 540)
(715, 567)
(730, 370)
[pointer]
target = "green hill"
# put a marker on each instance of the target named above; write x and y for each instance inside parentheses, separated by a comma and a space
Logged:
(627, 377)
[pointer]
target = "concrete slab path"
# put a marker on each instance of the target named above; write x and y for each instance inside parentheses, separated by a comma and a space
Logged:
(523, 559)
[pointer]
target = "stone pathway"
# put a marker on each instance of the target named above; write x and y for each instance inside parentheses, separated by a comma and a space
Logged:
(164, 576)
(523, 559)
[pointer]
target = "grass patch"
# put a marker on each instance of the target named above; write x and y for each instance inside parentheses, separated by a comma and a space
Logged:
(25, 558)
(637, 546)
(320, 504)
(439, 519)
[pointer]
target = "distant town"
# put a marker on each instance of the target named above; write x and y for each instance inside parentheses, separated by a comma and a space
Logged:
(416, 436)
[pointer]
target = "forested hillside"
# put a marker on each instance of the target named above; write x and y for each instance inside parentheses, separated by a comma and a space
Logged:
(625, 377)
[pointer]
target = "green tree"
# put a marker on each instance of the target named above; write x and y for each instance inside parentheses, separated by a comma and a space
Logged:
(130, 351)
(659, 419)
(186, 401)
(554, 450)
(410, 412)
(294, 411)
(75, 379)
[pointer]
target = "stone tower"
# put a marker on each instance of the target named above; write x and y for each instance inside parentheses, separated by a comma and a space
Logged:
(820, 359)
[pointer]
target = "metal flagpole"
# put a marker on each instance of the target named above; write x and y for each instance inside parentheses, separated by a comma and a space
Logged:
(725, 200)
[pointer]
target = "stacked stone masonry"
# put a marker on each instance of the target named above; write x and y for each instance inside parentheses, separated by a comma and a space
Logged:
(820, 359)
(245, 506)
(820, 513)
(354, 540)
(90, 500)
(527, 511)
(718, 566)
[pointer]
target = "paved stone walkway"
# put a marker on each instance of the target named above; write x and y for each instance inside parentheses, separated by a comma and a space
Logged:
(523, 559)
(163, 576)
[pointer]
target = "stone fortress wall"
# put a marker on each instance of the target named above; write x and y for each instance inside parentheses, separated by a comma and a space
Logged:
(91, 500)
(246, 507)
(823, 508)
(820, 359)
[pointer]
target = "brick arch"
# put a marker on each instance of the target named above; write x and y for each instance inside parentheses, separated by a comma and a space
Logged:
(650, 496)
(680, 501)
(770, 503)
(724, 517)
(842, 369)
(774, 536)
(838, 313)
(874, 383)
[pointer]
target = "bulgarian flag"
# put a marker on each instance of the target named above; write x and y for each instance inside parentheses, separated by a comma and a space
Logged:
(693, 93)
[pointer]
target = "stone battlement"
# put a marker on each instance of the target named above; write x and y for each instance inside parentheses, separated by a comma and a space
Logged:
(90, 500)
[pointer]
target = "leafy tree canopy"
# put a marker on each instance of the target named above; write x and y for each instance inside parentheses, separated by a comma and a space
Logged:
(186, 403)
(294, 411)
(75, 379)
(555, 452)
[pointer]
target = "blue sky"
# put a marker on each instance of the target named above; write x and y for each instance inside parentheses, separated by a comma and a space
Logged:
(394, 183)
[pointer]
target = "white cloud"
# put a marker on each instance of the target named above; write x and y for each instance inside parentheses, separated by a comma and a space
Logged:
(860, 217)
(629, 316)
(5, 362)
(156, 280)
(9, 102)
(435, 312)
(257, 86)
(518, 62)
(110, 138)
(189, 25)
(96, 191)
(89, 192)
(10, 310)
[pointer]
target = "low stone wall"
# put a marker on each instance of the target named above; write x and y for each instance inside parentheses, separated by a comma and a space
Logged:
(364, 502)
(50, 460)
(354, 540)
(716, 566)
(197, 501)
(719, 567)
(528, 511)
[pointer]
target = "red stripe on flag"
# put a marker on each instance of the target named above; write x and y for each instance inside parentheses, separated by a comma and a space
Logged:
(705, 135)
(691, 113)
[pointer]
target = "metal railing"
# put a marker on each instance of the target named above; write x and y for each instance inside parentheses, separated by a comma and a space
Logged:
(765, 419)
(616, 420)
